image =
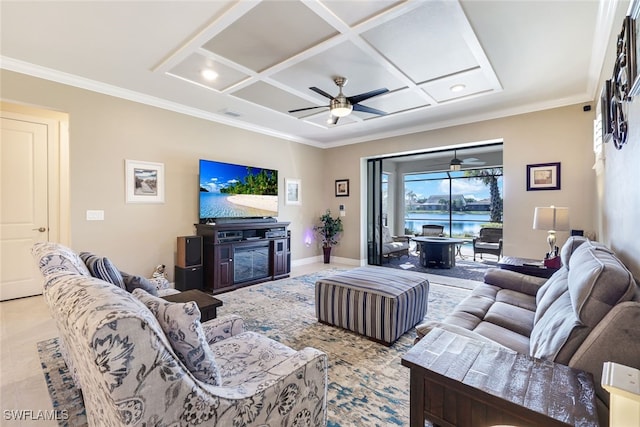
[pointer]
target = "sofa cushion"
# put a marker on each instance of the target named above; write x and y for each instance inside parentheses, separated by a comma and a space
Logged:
(386, 235)
(54, 257)
(576, 299)
(248, 355)
(132, 282)
(102, 268)
(601, 282)
(514, 318)
(181, 324)
(572, 243)
(391, 247)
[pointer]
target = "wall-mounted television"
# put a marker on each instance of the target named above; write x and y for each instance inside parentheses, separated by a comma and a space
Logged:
(229, 190)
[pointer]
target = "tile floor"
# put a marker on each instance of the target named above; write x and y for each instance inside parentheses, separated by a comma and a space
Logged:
(23, 323)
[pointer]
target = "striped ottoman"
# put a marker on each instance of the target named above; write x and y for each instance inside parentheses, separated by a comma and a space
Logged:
(377, 302)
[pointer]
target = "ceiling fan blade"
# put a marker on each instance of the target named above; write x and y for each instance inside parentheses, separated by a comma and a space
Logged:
(358, 107)
(473, 161)
(321, 92)
(359, 98)
(308, 108)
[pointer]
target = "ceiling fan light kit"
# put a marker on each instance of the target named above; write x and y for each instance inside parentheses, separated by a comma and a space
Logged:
(342, 106)
(456, 163)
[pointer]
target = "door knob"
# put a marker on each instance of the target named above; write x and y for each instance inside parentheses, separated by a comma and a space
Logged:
(41, 229)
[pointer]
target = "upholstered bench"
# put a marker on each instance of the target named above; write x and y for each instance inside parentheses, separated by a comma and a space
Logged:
(377, 302)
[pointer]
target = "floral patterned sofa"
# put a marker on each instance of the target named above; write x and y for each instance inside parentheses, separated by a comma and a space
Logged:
(140, 360)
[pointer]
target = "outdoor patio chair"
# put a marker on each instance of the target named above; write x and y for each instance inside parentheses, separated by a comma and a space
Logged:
(489, 241)
(430, 230)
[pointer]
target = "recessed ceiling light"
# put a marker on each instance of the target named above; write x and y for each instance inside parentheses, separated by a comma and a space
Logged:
(209, 74)
(457, 88)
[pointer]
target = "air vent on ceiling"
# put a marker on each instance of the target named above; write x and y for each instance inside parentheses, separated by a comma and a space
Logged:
(229, 113)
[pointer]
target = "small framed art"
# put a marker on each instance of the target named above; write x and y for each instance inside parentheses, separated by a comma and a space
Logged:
(144, 182)
(342, 188)
(543, 176)
(292, 196)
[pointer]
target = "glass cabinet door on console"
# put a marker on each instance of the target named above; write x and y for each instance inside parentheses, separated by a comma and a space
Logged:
(250, 262)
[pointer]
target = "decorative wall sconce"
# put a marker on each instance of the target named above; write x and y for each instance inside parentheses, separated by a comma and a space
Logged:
(618, 89)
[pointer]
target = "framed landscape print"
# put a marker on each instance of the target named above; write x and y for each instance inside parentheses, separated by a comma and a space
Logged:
(342, 187)
(292, 195)
(144, 182)
(543, 176)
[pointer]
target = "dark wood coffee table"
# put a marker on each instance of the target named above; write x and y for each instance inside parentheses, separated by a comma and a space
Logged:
(207, 304)
(531, 267)
(459, 381)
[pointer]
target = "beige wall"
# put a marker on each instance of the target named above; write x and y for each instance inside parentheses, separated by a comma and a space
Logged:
(562, 135)
(104, 131)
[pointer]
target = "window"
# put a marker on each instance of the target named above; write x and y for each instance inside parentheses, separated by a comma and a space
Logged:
(461, 201)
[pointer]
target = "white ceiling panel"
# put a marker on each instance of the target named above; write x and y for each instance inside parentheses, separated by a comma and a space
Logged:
(191, 70)
(269, 96)
(424, 43)
(270, 33)
(346, 59)
(471, 82)
(354, 12)
(398, 101)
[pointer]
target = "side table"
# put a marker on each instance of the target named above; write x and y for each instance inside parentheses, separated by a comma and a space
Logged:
(531, 267)
(207, 304)
(459, 381)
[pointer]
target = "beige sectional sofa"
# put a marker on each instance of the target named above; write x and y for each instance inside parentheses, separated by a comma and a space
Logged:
(586, 314)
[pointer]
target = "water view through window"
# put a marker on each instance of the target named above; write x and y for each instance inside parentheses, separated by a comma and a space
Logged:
(461, 201)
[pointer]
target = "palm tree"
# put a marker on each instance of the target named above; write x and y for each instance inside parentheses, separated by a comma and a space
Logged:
(489, 177)
(410, 198)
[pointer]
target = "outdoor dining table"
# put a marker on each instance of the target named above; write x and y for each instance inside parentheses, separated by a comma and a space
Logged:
(438, 251)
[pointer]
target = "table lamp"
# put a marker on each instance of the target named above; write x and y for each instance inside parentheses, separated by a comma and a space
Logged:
(551, 219)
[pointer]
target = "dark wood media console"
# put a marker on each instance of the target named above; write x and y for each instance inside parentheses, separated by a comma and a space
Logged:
(244, 253)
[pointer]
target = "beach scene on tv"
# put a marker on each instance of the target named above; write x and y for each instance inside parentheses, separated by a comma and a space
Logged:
(229, 190)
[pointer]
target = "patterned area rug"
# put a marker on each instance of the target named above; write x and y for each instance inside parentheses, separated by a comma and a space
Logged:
(367, 383)
(464, 269)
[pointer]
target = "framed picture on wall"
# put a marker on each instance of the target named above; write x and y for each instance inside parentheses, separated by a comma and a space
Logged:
(292, 196)
(543, 176)
(342, 187)
(144, 182)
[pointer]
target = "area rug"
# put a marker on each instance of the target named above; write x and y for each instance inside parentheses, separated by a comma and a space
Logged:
(464, 269)
(367, 383)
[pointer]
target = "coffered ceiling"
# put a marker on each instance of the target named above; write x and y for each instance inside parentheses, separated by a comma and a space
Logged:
(443, 62)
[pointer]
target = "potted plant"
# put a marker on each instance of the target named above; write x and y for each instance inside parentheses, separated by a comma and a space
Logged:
(328, 230)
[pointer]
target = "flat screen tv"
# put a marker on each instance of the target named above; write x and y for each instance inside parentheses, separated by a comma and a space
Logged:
(236, 191)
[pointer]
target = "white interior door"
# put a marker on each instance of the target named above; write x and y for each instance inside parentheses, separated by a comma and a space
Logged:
(23, 206)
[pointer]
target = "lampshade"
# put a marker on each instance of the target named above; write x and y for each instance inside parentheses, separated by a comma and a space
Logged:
(551, 219)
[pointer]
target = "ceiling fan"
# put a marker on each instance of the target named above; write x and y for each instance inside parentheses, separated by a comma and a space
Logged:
(455, 164)
(341, 105)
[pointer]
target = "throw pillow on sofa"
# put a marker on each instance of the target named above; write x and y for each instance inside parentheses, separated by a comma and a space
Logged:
(102, 268)
(132, 282)
(181, 324)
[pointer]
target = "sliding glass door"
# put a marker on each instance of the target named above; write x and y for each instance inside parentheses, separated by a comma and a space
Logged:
(375, 217)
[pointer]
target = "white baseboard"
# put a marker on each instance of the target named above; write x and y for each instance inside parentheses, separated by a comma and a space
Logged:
(320, 258)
